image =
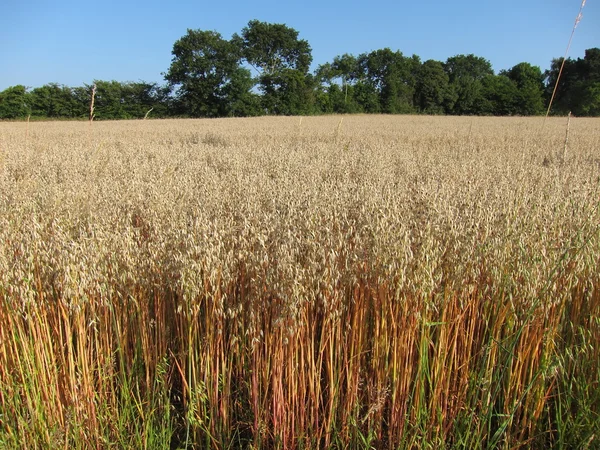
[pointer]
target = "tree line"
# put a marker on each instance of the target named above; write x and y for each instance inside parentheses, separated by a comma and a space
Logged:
(265, 69)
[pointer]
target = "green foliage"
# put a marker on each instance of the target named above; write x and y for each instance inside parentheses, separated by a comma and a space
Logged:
(393, 76)
(55, 101)
(499, 96)
(210, 76)
(367, 97)
(109, 102)
(290, 92)
(591, 93)
(282, 61)
(340, 76)
(241, 101)
(433, 94)
(576, 404)
(577, 89)
(205, 69)
(116, 100)
(340, 99)
(82, 96)
(141, 97)
(466, 74)
(113, 100)
(15, 103)
(529, 80)
(273, 47)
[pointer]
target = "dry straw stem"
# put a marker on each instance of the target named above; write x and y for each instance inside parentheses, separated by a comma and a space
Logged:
(249, 282)
(577, 20)
(91, 118)
(148, 112)
(564, 153)
(27, 129)
(339, 128)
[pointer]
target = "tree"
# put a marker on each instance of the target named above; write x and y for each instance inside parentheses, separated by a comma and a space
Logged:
(466, 73)
(433, 94)
(81, 97)
(15, 103)
(53, 101)
(591, 63)
(563, 90)
(367, 96)
(499, 96)
(590, 89)
(109, 103)
(577, 88)
(281, 60)
(206, 71)
(241, 101)
(341, 99)
(345, 71)
(140, 97)
(347, 90)
(116, 100)
(272, 47)
(393, 76)
(591, 92)
(529, 81)
(288, 93)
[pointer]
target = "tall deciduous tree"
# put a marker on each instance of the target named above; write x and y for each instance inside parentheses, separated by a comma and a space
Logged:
(591, 86)
(273, 47)
(367, 96)
(394, 76)
(499, 96)
(433, 94)
(578, 89)
(282, 61)
(340, 77)
(529, 82)
(290, 92)
(466, 74)
(207, 74)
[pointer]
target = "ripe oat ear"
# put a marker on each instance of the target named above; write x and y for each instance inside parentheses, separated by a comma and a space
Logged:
(564, 152)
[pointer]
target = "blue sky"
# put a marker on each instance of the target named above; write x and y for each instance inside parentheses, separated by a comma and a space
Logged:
(74, 42)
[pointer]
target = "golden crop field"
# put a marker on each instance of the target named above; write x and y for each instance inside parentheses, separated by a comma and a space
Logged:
(317, 282)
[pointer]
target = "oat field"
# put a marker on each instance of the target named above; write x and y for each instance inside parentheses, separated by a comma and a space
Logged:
(388, 282)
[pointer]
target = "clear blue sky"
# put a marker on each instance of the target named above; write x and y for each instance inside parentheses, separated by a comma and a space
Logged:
(74, 42)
